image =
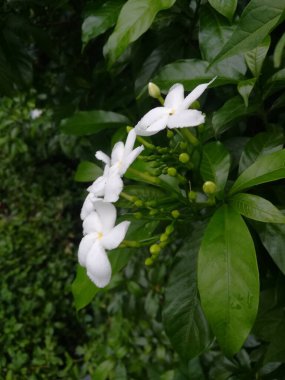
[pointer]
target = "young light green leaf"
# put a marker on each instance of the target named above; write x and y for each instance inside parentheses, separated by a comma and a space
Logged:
(135, 18)
(228, 278)
(265, 169)
(260, 145)
(245, 88)
(256, 208)
(91, 122)
(256, 22)
(87, 172)
(100, 19)
(255, 57)
(278, 52)
(215, 164)
(226, 8)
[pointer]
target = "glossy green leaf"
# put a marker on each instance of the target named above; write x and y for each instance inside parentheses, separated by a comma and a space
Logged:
(278, 52)
(215, 164)
(87, 172)
(245, 88)
(256, 22)
(91, 122)
(100, 19)
(228, 279)
(135, 18)
(183, 318)
(265, 169)
(226, 8)
(103, 370)
(260, 145)
(232, 110)
(255, 57)
(257, 208)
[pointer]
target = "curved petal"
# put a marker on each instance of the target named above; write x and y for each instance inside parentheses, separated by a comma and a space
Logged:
(159, 125)
(175, 96)
(130, 142)
(150, 118)
(114, 238)
(102, 157)
(87, 207)
(130, 158)
(84, 247)
(107, 214)
(98, 266)
(92, 223)
(187, 118)
(194, 95)
(117, 152)
(98, 187)
(114, 186)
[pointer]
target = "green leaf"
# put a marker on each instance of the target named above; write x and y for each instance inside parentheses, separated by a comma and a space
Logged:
(183, 318)
(233, 109)
(103, 370)
(278, 52)
(245, 88)
(228, 279)
(275, 83)
(215, 164)
(256, 22)
(276, 349)
(226, 8)
(135, 18)
(257, 208)
(91, 122)
(260, 145)
(255, 57)
(100, 19)
(87, 172)
(265, 169)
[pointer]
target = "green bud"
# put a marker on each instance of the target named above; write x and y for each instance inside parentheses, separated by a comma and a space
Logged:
(169, 134)
(184, 158)
(209, 187)
(128, 128)
(172, 172)
(153, 212)
(154, 90)
(139, 203)
(163, 237)
(169, 229)
(183, 145)
(138, 215)
(154, 249)
(192, 195)
(175, 214)
(148, 261)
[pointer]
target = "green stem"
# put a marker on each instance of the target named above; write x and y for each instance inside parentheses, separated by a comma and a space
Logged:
(189, 136)
(145, 176)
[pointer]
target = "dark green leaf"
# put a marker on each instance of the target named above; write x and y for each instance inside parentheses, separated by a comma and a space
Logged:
(260, 145)
(215, 164)
(278, 52)
(276, 349)
(245, 88)
(256, 22)
(255, 57)
(257, 208)
(226, 8)
(228, 278)
(87, 172)
(91, 122)
(275, 82)
(265, 169)
(134, 19)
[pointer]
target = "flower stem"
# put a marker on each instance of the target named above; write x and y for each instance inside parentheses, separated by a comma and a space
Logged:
(145, 176)
(189, 136)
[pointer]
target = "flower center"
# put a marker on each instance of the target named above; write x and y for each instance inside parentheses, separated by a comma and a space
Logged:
(100, 235)
(172, 111)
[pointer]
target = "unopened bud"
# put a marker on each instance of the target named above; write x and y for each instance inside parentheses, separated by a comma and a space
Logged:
(192, 195)
(163, 237)
(172, 172)
(209, 187)
(138, 215)
(128, 128)
(175, 214)
(139, 203)
(169, 134)
(169, 229)
(153, 90)
(184, 158)
(148, 262)
(154, 249)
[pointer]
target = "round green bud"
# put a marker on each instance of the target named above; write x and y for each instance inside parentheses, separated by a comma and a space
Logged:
(154, 90)
(169, 134)
(154, 249)
(169, 229)
(192, 195)
(163, 237)
(138, 215)
(183, 145)
(138, 203)
(148, 261)
(184, 158)
(209, 187)
(175, 214)
(172, 172)
(153, 212)
(128, 128)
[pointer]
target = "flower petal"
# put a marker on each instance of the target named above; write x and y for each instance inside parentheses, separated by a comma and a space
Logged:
(130, 142)
(194, 95)
(92, 223)
(87, 207)
(175, 96)
(130, 158)
(117, 153)
(84, 247)
(103, 157)
(98, 266)
(107, 214)
(114, 238)
(114, 186)
(150, 118)
(98, 187)
(187, 118)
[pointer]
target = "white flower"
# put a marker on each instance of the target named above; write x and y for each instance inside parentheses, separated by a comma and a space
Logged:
(100, 234)
(174, 113)
(35, 113)
(123, 155)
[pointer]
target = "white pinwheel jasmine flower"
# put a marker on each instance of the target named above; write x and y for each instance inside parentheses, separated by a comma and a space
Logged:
(174, 113)
(101, 234)
(35, 113)
(123, 155)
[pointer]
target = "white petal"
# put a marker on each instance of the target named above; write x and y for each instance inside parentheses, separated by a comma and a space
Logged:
(175, 96)
(194, 95)
(130, 159)
(114, 186)
(151, 117)
(98, 266)
(114, 238)
(98, 187)
(107, 214)
(92, 223)
(117, 152)
(87, 207)
(159, 125)
(85, 246)
(103, 157)
(130, 142)
(187, 118)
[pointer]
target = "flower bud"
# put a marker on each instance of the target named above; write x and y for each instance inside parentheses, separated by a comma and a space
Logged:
(169, 134)
(209, 187)
(175, 214)
(154, 249)
(163, 237)
(184, 158)
(153, 212)
(153, 90)
(138, 203)
(169, 229)
(138, 215)
(128, 128)
(172, 172)
(192, 195)
(148, 261)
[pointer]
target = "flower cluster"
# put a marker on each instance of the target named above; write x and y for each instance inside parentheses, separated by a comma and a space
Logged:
(98, 212)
